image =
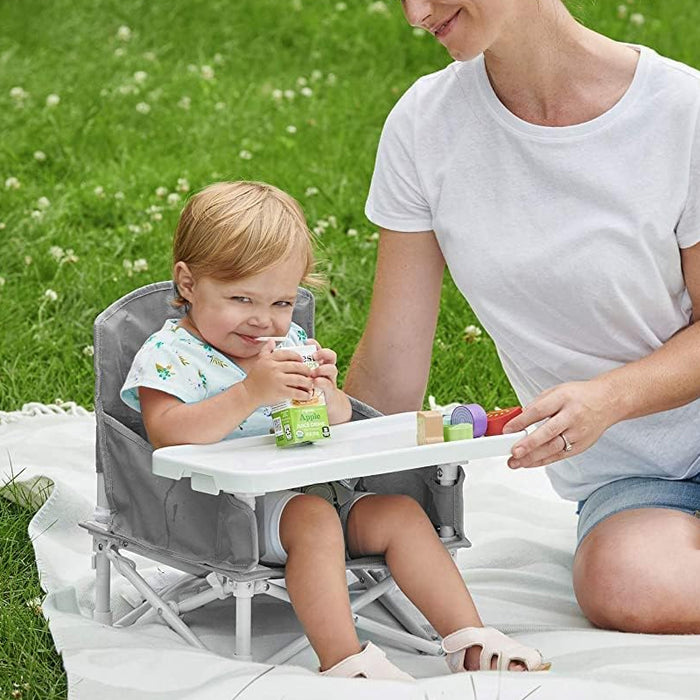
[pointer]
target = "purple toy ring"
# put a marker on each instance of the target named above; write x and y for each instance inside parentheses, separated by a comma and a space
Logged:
(470, 413)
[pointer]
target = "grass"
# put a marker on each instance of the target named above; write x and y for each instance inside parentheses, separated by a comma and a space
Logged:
(106, 155)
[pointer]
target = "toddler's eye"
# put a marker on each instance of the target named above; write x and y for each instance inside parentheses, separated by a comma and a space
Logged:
(283, 303)
(243, 300)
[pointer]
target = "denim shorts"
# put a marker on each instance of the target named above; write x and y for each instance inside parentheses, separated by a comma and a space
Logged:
(638, 492)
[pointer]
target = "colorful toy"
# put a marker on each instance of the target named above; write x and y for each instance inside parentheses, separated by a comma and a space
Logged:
(460, 431)
(498, 418)
(470, 413)
(429, 427)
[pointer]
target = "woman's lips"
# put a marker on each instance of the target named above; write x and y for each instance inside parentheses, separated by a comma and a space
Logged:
(444, 29)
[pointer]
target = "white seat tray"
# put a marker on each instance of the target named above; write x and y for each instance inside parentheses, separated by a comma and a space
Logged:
(256, 465)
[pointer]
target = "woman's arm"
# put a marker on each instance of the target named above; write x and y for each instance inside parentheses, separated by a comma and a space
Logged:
(667, 378)
(390, 367)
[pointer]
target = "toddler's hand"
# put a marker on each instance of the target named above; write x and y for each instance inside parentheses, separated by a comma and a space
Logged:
(277, 376)
(325, 378)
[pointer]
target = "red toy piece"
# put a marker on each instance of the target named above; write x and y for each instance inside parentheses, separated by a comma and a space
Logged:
(497, 419)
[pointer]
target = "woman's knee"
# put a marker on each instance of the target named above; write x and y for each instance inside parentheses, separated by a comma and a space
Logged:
(308, 519)
(627, 580)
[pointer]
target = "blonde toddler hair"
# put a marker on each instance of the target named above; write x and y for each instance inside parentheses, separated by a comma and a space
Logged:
(232, 230)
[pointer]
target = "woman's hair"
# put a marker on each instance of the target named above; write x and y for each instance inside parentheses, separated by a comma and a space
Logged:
(232, 230)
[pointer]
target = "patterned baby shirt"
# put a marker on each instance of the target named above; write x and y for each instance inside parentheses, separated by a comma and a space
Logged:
(176, 362)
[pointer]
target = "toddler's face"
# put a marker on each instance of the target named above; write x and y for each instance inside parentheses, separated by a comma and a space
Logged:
(230, 315)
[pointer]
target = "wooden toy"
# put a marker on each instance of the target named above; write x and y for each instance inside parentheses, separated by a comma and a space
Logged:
(429, 427)
(497, 419)
(460, 431)
(470, 413)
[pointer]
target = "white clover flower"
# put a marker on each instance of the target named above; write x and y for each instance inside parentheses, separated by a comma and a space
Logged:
(622, 11)
(149, 56)
(161, 191)
(331, 79)
(50, 295)
(340, 7)
(277, 94)
(322, 223)
(472, 333)
(332, 222)
(2, 225)
(374, 236)
(291, 129)
(118, 195)
(27, 259)
(40, 156)
(417, 31)
(311, 191)
(218, 59)
(128, 267)
(38, 215)
(306, 91)
(140, 265)
(245, 155)
(18, 94)
(378, 8)
(52, 100)
(156, 216)
(318, 230)
(207, 72)
(12, 183)
(173, 198)
(637, 18)
(290, 94)
(147, 227)
(134, 228)
(183, 185)
(43, 203)
(220, 106)
(301, 81)
(123, 33)
(89, 350)
(2, 282)
(143, 107)
(184, 102)
(70, 257)
(316, 75)
(128, 90)
(99, 191)
(140, 76)
(352, 232)
(191, 68)
(120, 51)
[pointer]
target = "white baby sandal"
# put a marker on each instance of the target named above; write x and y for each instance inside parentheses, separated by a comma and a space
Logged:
(371, 662)
(493, 644)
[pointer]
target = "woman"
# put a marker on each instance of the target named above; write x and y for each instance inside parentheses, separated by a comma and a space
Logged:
(557, 174)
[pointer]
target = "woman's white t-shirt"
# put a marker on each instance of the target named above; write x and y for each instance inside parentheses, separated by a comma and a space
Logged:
(564, 240)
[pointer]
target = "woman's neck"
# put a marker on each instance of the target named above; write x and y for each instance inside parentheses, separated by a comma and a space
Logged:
(548, 69)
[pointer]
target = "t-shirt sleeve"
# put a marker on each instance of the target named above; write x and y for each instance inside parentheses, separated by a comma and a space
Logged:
(396, 199)
(164, 367)
(688, 229)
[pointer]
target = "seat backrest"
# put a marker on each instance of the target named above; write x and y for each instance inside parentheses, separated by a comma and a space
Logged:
(122, 329)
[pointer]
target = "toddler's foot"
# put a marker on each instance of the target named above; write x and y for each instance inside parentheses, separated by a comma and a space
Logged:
(484, 648)
(371, 662)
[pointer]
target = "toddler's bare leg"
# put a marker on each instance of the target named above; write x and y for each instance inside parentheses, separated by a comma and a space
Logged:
(396, 527)
(312, 536)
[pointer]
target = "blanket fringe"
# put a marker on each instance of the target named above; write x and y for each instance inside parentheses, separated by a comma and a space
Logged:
(58, 408)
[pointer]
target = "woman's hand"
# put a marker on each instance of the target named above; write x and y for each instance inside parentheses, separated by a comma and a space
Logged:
(581, 411)
(325, 378)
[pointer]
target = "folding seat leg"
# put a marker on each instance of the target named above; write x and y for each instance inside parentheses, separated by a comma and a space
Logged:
(243, 592)
(100, 562)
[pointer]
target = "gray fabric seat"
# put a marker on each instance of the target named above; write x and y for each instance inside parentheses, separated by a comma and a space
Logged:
(166, 520)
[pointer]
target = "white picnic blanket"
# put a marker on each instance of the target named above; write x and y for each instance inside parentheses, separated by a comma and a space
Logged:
(519, 572)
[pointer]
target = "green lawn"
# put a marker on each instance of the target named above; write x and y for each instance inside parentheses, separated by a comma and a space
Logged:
(151, 101)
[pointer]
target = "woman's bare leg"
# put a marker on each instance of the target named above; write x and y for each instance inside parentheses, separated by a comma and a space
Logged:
(639, 571)
(312, 536)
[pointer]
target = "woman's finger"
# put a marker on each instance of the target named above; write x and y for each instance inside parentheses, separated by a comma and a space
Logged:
(547, 453)
(545, 433)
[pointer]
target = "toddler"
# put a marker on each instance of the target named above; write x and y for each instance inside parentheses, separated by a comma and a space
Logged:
(240, 251)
